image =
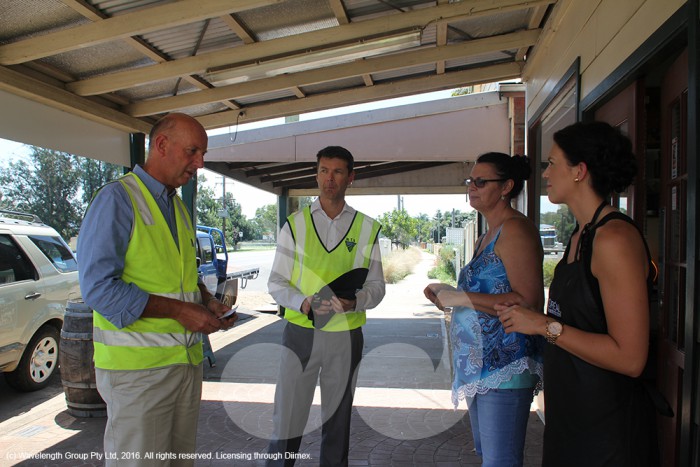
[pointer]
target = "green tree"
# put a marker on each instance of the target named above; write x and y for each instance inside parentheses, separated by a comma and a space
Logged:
(207, 206)
(210, 208)
(562, 220)
(455, 218)
(266, 220)
(236, 227)
(424, 227)
(463, 91)
(305, 201)
(46, 185)
(94, 174)
(399, 226)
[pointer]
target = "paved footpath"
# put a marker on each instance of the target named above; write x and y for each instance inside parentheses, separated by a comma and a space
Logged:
(403, 414)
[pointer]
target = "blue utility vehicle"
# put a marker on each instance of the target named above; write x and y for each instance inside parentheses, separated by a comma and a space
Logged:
(212, 265)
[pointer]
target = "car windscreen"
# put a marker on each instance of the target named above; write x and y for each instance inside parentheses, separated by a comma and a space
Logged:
(56, 251)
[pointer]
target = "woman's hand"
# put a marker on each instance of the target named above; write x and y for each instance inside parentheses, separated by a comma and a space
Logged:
(432, 290)
(452, 298)
(519, 318)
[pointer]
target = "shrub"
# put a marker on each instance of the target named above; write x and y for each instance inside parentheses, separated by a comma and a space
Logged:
(445, 269)
(399, 264)
(548, 270)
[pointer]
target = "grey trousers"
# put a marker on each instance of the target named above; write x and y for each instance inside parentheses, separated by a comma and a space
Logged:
(151, 415)
(309, 354)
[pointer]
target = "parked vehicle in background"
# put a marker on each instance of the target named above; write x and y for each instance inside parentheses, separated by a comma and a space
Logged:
(548, 235)
(38, 274)
(212, 265)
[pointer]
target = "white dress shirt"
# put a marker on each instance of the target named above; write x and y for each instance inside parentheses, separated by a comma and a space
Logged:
(331, 232)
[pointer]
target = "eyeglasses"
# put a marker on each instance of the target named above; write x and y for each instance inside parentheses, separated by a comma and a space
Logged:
(481, 182)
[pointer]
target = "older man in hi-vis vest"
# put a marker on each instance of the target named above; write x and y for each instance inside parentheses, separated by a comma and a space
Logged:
(138, 271)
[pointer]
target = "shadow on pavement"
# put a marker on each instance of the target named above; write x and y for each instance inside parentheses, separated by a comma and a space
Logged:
(13, 403)
(398, 353)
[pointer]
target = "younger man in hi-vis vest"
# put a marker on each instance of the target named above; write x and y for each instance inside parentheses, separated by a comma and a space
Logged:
(329, 248)
(138, 272)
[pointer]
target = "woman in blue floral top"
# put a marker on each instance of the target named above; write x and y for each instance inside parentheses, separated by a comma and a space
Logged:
(496, 372)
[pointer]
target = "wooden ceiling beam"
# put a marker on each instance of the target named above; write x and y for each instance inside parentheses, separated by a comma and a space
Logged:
(138, 44)
(375, 169)
(298, 170)
(43, 93)
(441, 41)
(267, 169)
(309, 171)
(336, 72)
(238, 28)
(535, 22)
(406, 87)
(300, 43)
(120, 27)
(339, 11)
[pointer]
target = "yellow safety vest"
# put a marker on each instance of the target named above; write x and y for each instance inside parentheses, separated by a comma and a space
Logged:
(315, 266)
(156, 265)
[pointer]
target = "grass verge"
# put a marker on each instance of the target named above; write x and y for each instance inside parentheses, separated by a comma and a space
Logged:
(399, 264)
(444, 271)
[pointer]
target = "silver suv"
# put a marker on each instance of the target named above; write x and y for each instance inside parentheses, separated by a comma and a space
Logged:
(38, 274)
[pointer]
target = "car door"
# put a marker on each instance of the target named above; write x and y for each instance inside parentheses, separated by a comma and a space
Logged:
(57, 268)
(19, 291)
(207, 268)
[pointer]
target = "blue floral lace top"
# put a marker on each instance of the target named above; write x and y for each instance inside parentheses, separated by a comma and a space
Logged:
(484, 356)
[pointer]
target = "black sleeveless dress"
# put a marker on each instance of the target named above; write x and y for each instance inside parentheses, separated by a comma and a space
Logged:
(594, 417)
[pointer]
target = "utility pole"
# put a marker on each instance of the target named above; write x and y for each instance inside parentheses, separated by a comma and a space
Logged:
(223, 207)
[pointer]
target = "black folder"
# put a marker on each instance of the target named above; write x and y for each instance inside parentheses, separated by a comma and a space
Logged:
(344, 286)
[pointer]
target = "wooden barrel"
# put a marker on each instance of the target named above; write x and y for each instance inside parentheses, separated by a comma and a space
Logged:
(77, 367)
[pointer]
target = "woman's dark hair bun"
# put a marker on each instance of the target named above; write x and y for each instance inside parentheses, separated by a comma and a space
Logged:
(520, 167)
(516, 168)
(606, 152)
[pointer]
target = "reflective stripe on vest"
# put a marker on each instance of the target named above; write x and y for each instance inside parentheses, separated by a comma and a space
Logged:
(315, 266)
(160, 267)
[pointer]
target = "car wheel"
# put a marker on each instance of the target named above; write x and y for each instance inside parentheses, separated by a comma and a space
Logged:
(38, 362)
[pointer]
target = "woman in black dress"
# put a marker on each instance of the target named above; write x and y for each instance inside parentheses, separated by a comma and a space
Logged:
(597, 320)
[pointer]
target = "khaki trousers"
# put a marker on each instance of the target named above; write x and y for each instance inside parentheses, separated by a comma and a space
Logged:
(151, 415)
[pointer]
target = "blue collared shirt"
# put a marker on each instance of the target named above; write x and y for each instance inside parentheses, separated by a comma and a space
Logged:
(102, 244)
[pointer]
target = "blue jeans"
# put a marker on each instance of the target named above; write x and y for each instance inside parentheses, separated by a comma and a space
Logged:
(499, 421)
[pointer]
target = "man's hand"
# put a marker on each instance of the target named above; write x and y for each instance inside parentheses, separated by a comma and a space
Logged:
(345, 305)
(219, 309)
(318, 305)
(196, 318)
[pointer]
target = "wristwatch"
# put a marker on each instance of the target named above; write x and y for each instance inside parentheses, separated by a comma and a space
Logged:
(553, 331)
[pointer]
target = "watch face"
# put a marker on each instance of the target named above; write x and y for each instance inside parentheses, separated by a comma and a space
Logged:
(555, 327)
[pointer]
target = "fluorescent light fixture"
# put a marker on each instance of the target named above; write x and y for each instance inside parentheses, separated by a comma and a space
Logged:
(314, 59)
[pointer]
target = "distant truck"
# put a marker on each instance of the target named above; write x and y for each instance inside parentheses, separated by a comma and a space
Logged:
(212, 264)
(548, 235)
